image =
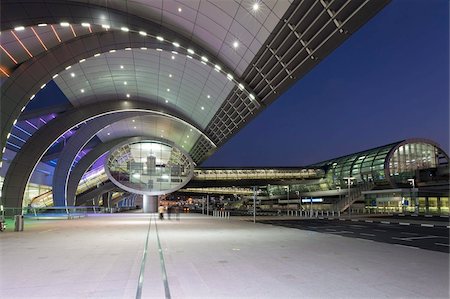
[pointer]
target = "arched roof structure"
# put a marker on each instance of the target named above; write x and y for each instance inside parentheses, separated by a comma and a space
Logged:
(216, 63)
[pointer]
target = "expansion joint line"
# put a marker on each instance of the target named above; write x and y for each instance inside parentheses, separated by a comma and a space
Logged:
(163, 265)
(143, 262)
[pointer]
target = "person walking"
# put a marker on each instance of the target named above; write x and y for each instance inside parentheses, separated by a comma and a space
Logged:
(161, 212)
(169, 211)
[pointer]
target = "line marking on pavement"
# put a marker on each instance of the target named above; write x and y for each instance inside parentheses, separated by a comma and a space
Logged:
(385, 222)
(380, 230)
(365, 234)
(412, 247)
(419, 238)
(404, 223)
(368, 221)
(364, 239)
(411, 234)
(48, 230)
(441, 244)
(427, 225)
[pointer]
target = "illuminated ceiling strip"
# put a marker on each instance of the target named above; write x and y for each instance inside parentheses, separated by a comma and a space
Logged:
(12, 144)
(18, 138)
(20, 42)
(40, 40)
(4, 72)
(54, 31)
(32, 125)
(9, 55)
(20, 129)
(73, 31)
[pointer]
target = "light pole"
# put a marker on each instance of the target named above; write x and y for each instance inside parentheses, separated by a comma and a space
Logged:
(299, 201)
(339, 202)
(255, 190)
(349, 182)
(287, 197)
(413, 197)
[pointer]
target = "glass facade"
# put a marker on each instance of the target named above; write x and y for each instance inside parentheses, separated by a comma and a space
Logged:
(409, 157)
(149, 167)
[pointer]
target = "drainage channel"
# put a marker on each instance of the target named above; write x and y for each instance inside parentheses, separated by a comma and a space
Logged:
(144, 261)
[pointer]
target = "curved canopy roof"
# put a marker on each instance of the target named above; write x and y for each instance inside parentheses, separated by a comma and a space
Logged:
(215, 63)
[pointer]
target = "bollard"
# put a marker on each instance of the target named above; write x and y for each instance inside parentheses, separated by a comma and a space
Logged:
(327, 213)
(339, 213)
(321, 213)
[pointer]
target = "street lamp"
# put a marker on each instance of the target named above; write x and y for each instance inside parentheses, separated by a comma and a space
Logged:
(416, 202)
(349, 182)
(339, 202)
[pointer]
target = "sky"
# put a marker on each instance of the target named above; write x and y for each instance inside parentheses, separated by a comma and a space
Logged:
(389, 81)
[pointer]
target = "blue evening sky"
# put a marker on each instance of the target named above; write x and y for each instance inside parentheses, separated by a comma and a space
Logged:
(387, 82)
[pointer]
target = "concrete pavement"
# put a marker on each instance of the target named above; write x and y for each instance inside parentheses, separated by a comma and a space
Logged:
(100, 257)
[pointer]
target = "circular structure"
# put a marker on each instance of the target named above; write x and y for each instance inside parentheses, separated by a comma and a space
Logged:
(149, 167)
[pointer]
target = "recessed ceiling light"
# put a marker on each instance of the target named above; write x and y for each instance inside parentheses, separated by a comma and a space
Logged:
(124, 29)
(204, 58)
(54, 76)
(106, 26)
(128, 95)
(187, 136)
(112, 51)
(97, 55)
(217, 67)
(179, 9)
(203, 108)
(133, 120)
(235, 44)
(82, 60)
(167, 101)
(143, 48)
(230, 77)
(43, 85)
(109, 134)
(175, 44)
(19, 28)
(125, 83)
(168, 89)
(72, 75)
(158, 49)
(68, 67)
(190, 51)
(64, 24)
(85, 24)
(189, 56)
(121, 66)
(42, 25)
(252, 96)
(127, 49)
(160, 38)
(173, 57)
(32, 97)
(170, 75)
(134, 127)
(175, 52)
(82, 90)
(208, 96)
(143, 33)
(241, 87)
(255, 6)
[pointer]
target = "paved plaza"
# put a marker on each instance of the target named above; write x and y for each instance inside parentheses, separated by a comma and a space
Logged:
(100, 256)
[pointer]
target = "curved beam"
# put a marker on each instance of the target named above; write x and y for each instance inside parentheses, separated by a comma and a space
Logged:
(25, 161)
(73, 148)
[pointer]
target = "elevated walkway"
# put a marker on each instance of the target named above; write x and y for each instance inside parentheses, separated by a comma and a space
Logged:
(206, 257)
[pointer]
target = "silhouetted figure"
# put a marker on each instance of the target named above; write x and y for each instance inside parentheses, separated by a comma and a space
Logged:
(169, 211)
(177, 212)
(161, 212)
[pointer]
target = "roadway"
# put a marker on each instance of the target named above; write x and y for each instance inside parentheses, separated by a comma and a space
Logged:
(424, 236)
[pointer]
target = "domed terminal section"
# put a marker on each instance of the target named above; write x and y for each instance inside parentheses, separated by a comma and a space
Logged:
(149, 167)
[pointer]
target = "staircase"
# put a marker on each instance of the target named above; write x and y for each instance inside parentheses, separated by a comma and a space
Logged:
(355, 195)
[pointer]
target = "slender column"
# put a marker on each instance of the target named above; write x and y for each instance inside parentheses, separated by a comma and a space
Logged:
(150, 203)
